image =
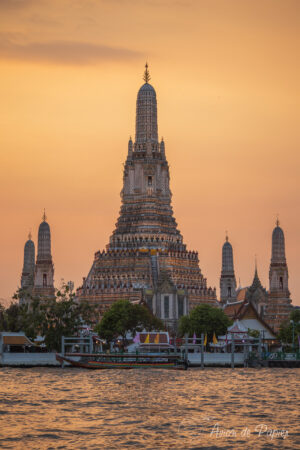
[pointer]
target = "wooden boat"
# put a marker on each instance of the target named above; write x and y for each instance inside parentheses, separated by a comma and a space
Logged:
(117, 362)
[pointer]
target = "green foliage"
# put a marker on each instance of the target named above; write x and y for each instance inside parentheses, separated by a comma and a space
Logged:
(31, 318)
(51, 318)
(295, 315)
(123, 316)
(2, 318)
(62, 316)
(12, 319)
(286, 329)
(204, 319)
(253, 333)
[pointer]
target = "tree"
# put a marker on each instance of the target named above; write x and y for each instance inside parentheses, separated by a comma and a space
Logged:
(51, 318)
(123, 317)
(12, 318)
(17, 318)
(62, 316)
(2, 318)
(253, 333)
(286, 329)
(204, 319)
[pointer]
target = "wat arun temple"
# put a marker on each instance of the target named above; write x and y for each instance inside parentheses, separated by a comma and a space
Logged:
(146, 258)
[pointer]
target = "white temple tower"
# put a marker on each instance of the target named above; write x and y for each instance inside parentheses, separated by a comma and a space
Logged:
(227, 280)
(44, 270)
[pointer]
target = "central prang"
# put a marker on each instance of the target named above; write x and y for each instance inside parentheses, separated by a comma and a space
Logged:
(146, 217)
(146, 259)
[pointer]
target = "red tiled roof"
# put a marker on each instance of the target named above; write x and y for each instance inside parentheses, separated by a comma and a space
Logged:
(241, 294)
(232, 309)
(238, 310)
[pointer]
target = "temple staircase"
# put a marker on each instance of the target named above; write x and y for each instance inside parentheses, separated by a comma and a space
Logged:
(154, 268)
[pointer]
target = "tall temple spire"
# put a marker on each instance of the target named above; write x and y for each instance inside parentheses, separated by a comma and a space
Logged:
(279, 295)
(278, 245)
(146, 116)
(146, 217)
(146, 76)
(227, 256)
(278, 268)
(162, 148)
(130, 148)
(227, 280)
(44, 270)
(146, 257)
(256, 294)
(28, 264)
(44, 241)
(256, 281)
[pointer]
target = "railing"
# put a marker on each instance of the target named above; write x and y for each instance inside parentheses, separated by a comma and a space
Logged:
(282, 356)
(81, 344)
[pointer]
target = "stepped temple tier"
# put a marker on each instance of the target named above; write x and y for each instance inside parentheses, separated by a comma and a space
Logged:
(146, 258)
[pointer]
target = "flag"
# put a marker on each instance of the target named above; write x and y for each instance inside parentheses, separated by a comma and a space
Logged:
(194, 338)
(205, 339)
(147, 340)
(156, 340)
(136, 339)
(215, 340)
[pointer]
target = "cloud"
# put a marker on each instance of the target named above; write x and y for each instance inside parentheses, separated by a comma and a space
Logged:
(62, 52)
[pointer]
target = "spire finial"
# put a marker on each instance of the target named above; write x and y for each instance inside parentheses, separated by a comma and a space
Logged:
(255, 256)
(29, 235)
(44, 216)
(226, 235)
(277, 220)
(146, 76)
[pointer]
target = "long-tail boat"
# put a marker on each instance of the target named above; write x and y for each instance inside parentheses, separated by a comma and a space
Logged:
(123, 361)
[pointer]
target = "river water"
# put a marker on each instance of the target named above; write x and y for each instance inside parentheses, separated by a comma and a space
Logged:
(216, 408)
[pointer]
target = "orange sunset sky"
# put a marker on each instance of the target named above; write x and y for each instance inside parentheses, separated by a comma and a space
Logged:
(226, 74)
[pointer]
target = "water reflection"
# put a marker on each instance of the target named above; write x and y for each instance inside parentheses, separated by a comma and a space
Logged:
(215, 408)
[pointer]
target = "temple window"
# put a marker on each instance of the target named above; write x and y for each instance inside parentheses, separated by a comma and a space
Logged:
(149, 302)
(281, 282)
(44, 279)
(180, 306)
(166, 307)
(229, 291)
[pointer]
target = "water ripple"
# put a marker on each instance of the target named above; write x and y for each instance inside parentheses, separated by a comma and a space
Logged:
(47, 408)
